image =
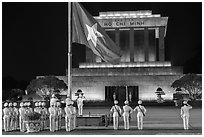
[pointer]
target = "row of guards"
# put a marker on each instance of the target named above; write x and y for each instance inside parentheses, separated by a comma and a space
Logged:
(18, 115)
(13, 115)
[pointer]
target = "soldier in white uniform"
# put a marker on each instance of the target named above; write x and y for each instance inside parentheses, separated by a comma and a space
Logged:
(29, 107)
(53, 116)
(59, 116)
(40, 111)
(116, 110)
(53, 99)
(44, 115)
(26, 111)
(185, 114)
(36, 109)
(6, 117)
(15, 115)
(80, 104)
(11, 125)
(141, 111)
(73, 115)
(127, 110)
(68, 100)
(22, 117)
(68, 116)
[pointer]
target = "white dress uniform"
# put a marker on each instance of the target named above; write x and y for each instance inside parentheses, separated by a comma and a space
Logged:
(127, 110)
(40, 111)
(140, 113)
(44, 115)
(185, 114)
(52, 117)
(29, 109)
(68, 116)
(53, 99)
(68, 101)
(11, 125)
(59, 116)
(15, 115)
(73, 116)
(116, 110)
(80, 104)
(6, 117)
(22, 117)
(36, 109)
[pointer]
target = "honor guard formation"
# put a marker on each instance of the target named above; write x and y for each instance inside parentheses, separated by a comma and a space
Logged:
(51, 118)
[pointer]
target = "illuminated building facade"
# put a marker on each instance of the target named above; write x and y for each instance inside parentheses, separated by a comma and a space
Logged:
(142, 69)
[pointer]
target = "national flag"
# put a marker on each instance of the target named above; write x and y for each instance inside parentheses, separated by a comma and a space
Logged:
(86, 30)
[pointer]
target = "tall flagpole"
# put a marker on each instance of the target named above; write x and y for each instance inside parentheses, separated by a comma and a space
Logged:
(69, 64)
(126, 89)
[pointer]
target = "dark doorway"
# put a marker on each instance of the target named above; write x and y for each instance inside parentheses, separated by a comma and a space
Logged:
(121, 93)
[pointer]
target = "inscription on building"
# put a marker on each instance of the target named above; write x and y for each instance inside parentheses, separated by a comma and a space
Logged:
(123, 23)
(133, 22)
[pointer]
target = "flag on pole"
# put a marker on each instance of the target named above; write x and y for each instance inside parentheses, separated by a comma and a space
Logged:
(86, 30)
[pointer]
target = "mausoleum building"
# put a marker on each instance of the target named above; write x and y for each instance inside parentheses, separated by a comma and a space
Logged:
(142, 68)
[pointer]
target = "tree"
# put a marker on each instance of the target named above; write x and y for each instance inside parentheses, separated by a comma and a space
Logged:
(46, 86)
(12, 94)
(190, 84)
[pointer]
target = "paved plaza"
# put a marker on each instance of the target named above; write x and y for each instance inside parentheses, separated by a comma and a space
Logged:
(161, 120)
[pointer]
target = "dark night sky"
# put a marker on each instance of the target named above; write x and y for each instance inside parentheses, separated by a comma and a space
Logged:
(34, 36)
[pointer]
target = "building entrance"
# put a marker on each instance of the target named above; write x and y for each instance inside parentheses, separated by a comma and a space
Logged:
(122, 93)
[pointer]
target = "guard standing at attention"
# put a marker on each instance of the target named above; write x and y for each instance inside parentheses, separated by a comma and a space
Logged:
(59, 115)
(116, 110)
(53, 116)
(36, 109)
(73, 115)
(44, 116)
(141, 111)
(126, 115)
(80, 104)
(30, 110)
(41, 117)
(22, 117)
(15, 116)
(68, 116)
(185, 114)
(11, 120)
(6, 117)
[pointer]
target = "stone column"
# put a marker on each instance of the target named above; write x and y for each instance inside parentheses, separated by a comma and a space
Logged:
(161, 44)
(131, 45)
(146, 44)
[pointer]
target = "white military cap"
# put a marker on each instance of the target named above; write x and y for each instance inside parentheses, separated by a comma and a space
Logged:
(184, 102)
(21, 104)
(68, 103)
(10, 104)
(51, 103)
(40, 103)
(53, 95)
(115, 102)
(43, 103)
(58, 103)
(80, 95)
(126, 102)
(55, 103)
(140, 102)
(5, 104)
(28, 104)
(15, 104)
(36, 104)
